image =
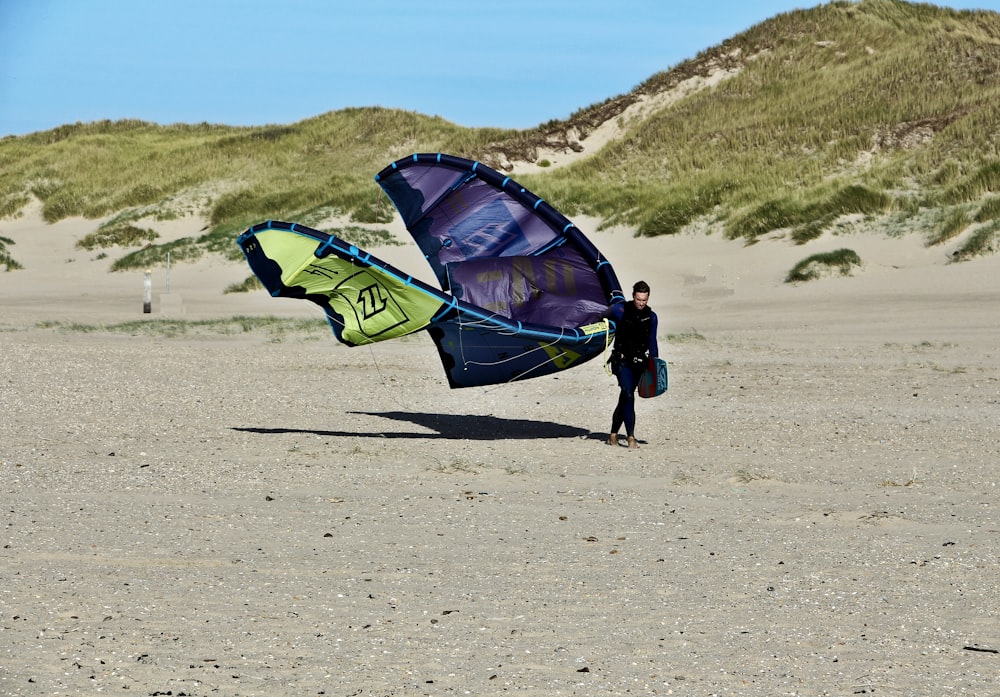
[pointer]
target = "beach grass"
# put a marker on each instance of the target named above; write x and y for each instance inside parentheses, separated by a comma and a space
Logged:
(841, 111)
(6, 258)
(240, 324)
(985, 240)
(249, 284)
(840, 261)
(869, 110)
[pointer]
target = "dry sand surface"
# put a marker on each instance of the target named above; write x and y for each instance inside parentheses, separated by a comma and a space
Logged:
(813, 510)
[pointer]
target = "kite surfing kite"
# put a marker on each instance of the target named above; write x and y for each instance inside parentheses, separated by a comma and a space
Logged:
(522, 292)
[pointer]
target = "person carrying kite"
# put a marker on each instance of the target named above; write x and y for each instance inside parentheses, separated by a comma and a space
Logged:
(635, 343)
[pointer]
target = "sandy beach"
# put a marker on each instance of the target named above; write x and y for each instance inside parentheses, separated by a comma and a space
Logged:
(813, 510)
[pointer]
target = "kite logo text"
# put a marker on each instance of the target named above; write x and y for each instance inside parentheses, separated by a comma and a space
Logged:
(372, 301)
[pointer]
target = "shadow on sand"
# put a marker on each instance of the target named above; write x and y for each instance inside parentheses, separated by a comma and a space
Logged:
(451, 426)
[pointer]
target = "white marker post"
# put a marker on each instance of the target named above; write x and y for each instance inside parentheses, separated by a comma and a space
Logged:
(147, 293)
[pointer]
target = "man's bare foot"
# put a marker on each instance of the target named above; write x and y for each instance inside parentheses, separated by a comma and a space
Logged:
(613, 439)
(632, 444)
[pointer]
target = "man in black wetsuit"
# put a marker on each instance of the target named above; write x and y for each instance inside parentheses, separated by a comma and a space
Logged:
(635, 343)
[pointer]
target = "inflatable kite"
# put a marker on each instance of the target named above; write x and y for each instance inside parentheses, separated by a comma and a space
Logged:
(522, 292)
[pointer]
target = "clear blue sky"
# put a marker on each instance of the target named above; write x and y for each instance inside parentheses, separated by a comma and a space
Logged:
(515, 63)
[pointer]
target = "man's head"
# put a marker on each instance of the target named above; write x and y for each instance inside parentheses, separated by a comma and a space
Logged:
(640, 294)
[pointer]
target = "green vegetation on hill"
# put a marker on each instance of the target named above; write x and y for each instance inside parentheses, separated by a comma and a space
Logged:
(101, 168)
(233, 176)
(811, 268)
(849, 108)
(9, 263)
(844, 108)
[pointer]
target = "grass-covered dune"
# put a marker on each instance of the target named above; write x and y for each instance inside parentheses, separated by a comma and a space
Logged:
(875, 109)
